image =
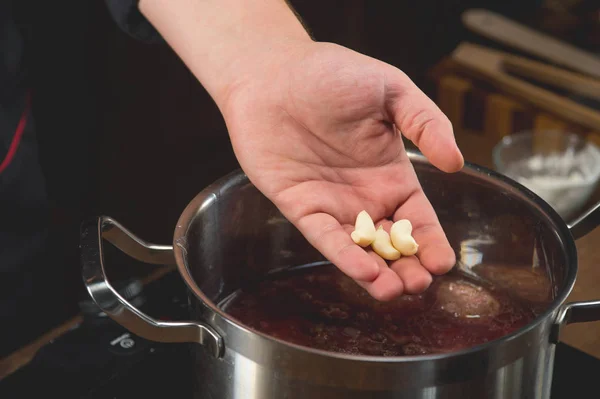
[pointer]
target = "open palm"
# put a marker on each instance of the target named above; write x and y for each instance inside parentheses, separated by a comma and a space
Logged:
(319, 135)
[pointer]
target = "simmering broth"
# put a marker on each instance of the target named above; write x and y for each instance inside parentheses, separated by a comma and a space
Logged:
(320, 307)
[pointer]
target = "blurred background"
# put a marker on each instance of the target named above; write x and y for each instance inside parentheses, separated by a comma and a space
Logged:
(125, 130)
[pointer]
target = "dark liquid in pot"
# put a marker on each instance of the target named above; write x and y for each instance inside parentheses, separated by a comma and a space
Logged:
(320, 307)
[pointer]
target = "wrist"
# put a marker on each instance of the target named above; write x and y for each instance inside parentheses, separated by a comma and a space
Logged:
(227, 43)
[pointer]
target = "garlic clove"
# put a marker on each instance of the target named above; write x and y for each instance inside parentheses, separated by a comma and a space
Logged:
(402, 239)
(364, 230)
(383, 245)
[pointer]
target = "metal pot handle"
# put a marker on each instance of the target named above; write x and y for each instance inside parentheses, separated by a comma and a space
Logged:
(586, 222)
(574, 312)
(115, 306)
(581, 311)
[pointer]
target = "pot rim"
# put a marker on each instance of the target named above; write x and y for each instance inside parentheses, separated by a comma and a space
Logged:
(211, 193)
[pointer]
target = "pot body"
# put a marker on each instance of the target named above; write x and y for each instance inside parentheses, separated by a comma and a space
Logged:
(231, 235)
(520, 370)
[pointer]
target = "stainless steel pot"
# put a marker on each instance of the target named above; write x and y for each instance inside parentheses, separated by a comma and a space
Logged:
(231, 233)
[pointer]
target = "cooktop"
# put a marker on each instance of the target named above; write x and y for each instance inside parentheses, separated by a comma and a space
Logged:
(99, 359)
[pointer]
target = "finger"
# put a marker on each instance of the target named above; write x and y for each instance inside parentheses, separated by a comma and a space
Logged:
(414, 276)
(326, 234)
(435, 252)
(422, 122)
(387, 285)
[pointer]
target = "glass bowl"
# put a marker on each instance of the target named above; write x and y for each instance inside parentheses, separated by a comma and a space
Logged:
(560, 167)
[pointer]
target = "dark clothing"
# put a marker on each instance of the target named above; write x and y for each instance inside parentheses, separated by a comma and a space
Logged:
(128, 17)
(13, 51)
(24, 203)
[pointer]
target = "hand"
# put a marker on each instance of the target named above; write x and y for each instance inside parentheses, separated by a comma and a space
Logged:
(315, 128)
(317, 132)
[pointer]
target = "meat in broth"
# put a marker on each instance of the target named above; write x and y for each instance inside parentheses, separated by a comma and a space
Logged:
(320, 307)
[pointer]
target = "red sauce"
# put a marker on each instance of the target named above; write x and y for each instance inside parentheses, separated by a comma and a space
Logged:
(320, 307)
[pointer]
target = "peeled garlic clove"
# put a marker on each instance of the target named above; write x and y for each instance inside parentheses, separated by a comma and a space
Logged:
(364, 230)
(383, 245)
(402, 239)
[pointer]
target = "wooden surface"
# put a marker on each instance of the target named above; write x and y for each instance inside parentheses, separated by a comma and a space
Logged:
(584, 336)
(488, 64)
(531, 41)
(473, 103)
(553, 76)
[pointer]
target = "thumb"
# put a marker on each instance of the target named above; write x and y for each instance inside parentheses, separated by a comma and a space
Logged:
(422, 122)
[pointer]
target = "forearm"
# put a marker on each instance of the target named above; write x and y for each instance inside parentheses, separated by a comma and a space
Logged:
(223, 42)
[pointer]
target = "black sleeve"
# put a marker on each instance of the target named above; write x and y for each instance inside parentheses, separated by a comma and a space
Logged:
(129, 18)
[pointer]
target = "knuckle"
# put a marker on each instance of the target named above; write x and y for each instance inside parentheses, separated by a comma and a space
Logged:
(418, 125)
